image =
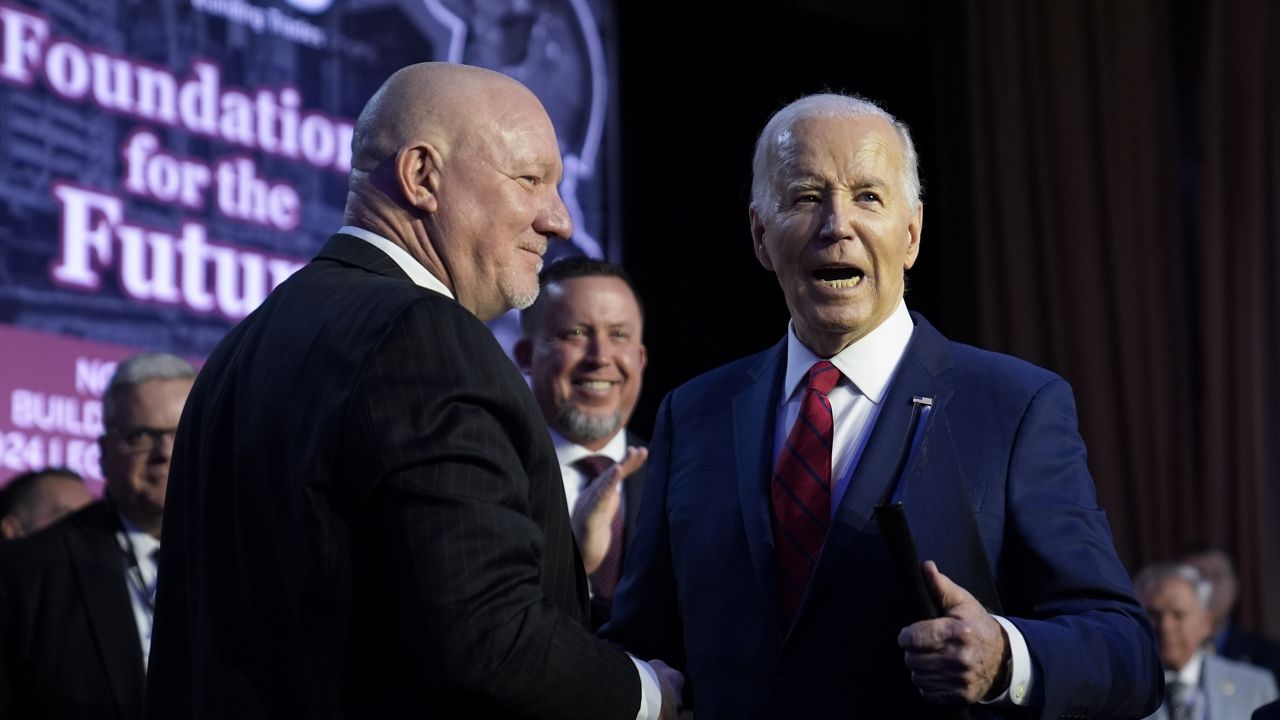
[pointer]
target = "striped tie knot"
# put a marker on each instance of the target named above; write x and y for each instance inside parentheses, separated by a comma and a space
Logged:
(823, 376)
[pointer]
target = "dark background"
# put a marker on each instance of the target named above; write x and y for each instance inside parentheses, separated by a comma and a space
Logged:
(1100, 199)
(695, 95)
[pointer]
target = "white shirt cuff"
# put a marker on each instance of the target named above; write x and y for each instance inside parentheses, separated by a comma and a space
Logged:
(650, 692)
(1021, 679)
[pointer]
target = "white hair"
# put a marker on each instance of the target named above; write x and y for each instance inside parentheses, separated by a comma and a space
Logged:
(1153, 575)
(777, 132)
(141, 368)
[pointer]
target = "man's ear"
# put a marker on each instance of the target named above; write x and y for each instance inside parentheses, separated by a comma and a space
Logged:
(913, 236)
(418, 169)
(757, 238)
(524, 355)
(11, 528)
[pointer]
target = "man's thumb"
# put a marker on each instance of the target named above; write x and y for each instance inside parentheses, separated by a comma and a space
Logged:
(947, 594)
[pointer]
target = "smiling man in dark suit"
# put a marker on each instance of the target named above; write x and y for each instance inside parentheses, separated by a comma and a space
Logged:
(582, 346)
(367, 517)
(758, 567)
(76, 598)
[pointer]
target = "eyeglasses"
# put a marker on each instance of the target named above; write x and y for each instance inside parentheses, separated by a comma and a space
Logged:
(143, 439)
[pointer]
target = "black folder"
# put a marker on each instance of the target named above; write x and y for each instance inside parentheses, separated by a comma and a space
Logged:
(891, 517)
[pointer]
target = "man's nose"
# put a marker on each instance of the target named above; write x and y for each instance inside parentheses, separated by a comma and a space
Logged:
(598, 349)
(554, 218)
(837, 221)
(162, 446)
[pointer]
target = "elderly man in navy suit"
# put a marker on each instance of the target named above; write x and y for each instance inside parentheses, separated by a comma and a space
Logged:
(758, 567)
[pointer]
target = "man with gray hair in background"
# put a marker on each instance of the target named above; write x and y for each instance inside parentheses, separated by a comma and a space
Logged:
(76, 600)
(1228, 639)
(759, 569)
(1199, 685)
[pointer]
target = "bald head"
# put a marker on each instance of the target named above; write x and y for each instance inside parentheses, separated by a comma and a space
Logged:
(432, 102)
(459, 166)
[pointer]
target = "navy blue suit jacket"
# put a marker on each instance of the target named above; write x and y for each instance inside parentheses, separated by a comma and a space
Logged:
(1001, 444)
(633, 491)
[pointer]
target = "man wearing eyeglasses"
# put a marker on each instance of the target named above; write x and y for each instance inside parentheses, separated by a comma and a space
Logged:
(76, 599)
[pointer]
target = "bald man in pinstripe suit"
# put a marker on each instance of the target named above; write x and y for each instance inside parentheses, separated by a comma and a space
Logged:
(366, 517)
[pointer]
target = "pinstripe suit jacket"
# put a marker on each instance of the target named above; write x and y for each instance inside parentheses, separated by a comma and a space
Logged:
(365, 519)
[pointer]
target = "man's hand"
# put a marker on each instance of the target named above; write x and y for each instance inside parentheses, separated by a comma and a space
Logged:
(593, 512)
(955, 659)
(672, 684)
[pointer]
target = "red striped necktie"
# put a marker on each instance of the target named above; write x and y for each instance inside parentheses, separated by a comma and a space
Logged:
(605, 579)
(801, 489)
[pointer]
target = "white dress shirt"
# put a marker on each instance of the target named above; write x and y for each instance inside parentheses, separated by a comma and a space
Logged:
(650, 692)
(866, 370)
(414, 269)
(1189, 676)
(568, 452)
(140, 546)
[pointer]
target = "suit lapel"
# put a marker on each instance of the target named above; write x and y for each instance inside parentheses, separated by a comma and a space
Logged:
(926, 356)
(633, 491)
(754, 416)
(97, 563)
(1218, 704)
(1209, 682)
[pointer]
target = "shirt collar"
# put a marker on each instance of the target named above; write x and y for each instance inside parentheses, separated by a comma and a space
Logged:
(420, 276)
(1189, 674)
(568, 452)
(143, 543)
(868, 363)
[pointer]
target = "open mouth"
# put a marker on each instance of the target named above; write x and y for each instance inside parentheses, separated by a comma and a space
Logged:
(838, 276)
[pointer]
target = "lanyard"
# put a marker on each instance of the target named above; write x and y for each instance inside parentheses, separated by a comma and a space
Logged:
(134, 568)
